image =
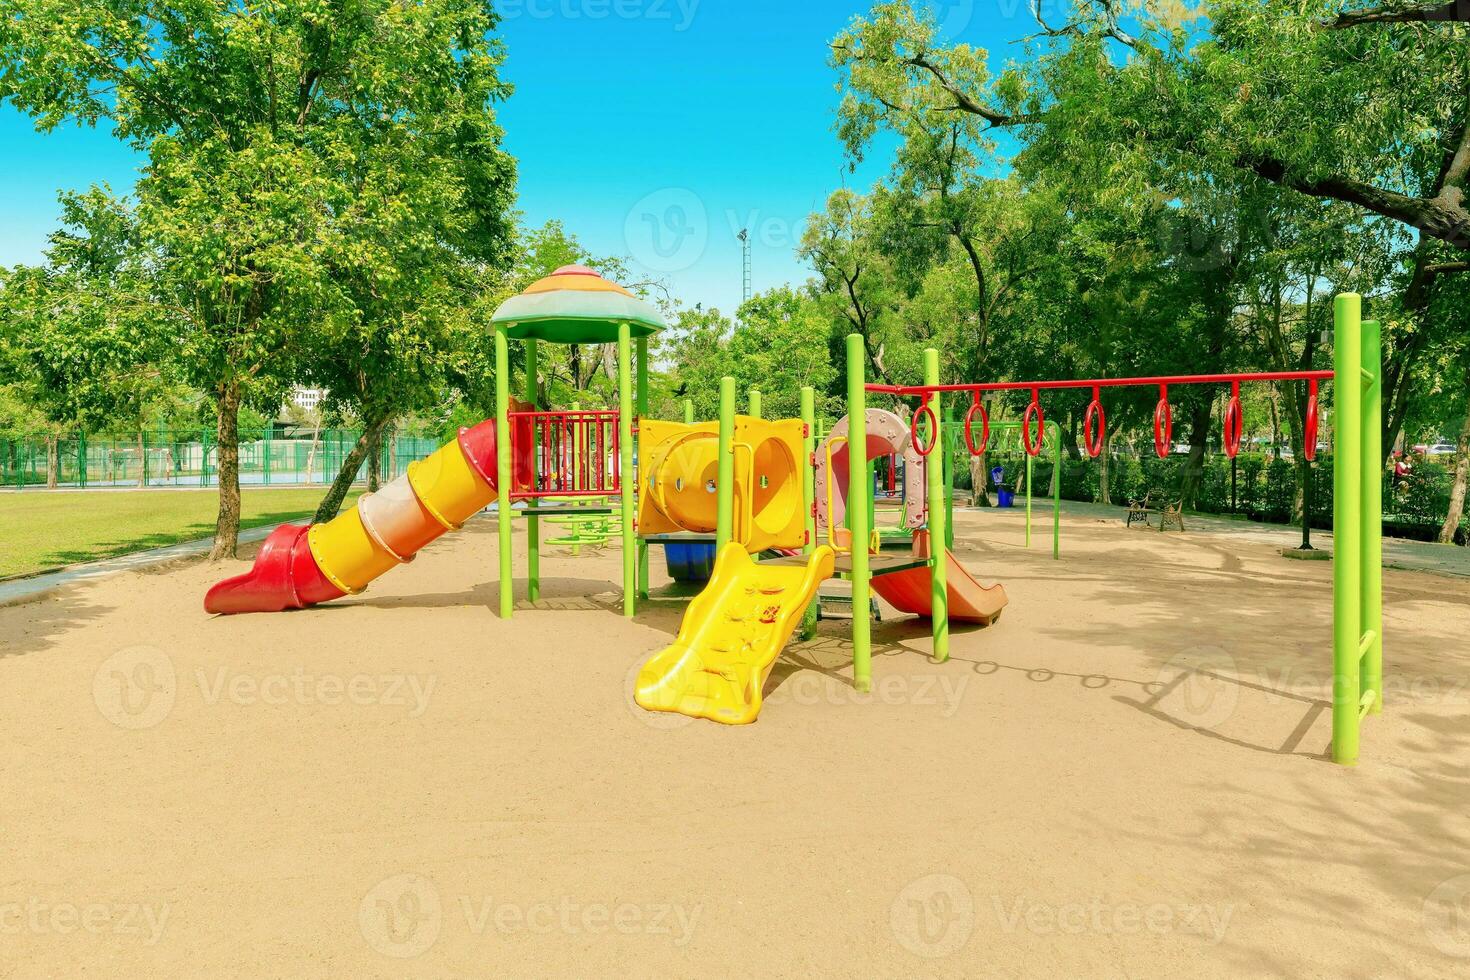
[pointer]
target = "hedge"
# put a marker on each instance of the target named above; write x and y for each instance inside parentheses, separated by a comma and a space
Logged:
(1265, 487)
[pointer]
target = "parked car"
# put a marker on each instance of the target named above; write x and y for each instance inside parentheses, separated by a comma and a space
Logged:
(1442, 449)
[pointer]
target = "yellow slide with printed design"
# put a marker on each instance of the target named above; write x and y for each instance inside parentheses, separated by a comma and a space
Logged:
(731, 636)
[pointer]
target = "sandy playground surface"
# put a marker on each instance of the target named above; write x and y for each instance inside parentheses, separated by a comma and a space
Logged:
(1124, 776)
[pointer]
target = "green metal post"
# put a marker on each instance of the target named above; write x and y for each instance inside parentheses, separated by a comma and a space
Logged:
(755, 403)
(1056, 493)
(1370, 589)
(577, 468)
(689, 411)
(502, 471)
(860, 496)
(142, 463)
(265, 473)
(938, 563)
(625, 465)
(725, 469)
(1040, 433)
(809, 494)
(642, 402)
(1347, 362)
(533, 523)
(81, 458)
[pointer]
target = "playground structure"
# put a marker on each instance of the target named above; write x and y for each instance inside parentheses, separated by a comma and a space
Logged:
(782, 513)
(1357, 376)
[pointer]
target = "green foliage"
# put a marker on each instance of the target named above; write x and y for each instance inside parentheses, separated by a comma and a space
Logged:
(78, 336)
(325, 194)
(781, 345)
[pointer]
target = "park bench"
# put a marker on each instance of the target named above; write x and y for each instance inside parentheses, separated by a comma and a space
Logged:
(1139, 510)
(1172, 515)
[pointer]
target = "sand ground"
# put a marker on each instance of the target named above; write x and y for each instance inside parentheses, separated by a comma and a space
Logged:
(1125, 776)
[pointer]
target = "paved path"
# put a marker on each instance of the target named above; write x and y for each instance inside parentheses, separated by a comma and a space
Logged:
(1419, 556)
(1401, 553)
(19, 590)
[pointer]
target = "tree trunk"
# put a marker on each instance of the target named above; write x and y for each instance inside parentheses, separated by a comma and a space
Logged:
(375, 462)
(1070, 438)
(311, 453)
(53, 462)
(227, 523)
(1275, 425)
(332, 502)
(1104, 494)
(1457, 490)
(1194, 467)
(979, 481)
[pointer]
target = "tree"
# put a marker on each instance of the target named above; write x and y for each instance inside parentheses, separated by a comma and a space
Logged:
(78, 336)
(852, 274)
(252, 117)
(425, 224)
(782, 345)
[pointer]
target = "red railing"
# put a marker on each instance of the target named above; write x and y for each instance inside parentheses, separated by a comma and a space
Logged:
(1096, 420)
(577, 454)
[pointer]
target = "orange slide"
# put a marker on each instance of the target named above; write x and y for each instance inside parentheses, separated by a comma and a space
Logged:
(969, 601)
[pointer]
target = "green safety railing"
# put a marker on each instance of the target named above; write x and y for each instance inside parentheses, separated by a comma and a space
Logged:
(164, 458)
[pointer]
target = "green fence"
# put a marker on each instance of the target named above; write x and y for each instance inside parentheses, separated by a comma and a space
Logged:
(190, 458)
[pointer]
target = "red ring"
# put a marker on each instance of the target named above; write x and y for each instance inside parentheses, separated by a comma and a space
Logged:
(984, 427)
(1309, 437)
(1033, 448)
(1233, 426)
(1163, 426)
(1093, 441)
(933, 430)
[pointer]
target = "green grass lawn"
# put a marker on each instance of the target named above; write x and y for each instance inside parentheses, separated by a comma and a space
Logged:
(41, 529)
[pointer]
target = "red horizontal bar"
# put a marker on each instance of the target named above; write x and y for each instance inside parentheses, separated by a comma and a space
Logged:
(583, 492)
(1178, 379)
(590, 415)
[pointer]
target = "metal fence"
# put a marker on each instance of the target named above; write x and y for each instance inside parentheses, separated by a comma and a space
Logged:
(190, 458)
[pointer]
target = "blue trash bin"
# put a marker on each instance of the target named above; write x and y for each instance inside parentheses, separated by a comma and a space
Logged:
(693, 562)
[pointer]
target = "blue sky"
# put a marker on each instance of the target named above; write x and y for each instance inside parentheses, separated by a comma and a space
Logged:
(654, 129)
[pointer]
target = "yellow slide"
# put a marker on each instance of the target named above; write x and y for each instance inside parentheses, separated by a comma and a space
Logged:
(730, 637)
